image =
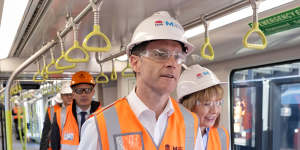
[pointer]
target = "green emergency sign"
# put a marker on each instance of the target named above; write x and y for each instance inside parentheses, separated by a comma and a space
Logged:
(280, 22)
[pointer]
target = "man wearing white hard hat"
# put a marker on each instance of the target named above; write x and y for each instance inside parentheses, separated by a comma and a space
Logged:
(62, 99)
(148, 118)
(199, 90)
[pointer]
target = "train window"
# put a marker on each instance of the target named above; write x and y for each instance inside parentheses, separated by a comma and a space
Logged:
(265, 107)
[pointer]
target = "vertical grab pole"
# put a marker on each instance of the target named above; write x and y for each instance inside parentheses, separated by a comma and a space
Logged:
(8, 119)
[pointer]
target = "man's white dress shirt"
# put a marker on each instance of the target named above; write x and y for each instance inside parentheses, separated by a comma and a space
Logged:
(155, 128)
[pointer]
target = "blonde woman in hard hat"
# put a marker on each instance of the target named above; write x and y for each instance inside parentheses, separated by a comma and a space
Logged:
(62, 99)
(148, 118)
(199, 90)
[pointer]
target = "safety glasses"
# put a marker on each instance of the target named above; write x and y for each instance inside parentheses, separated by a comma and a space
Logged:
(81, 90)
(211, 103)
(164, 55)
(66, 94)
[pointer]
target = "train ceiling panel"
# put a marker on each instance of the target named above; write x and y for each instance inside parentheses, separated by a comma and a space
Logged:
(118, 19)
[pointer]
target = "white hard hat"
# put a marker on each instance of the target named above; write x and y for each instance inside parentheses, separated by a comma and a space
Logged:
(66, 87)
(57, 98)
(195, 78)
(159, 26)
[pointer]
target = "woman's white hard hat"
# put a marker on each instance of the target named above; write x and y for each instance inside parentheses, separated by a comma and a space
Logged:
(195, 78)
(159, 26)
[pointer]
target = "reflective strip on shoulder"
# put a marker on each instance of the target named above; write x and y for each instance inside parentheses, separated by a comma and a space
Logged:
(112, 126)
(223, 138)
(63, 118)
(189, 128)
(68, 147)
(51, 114)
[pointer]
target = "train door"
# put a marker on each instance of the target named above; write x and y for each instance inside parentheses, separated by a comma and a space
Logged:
(285, 110)
(265, 107)
(247, 116)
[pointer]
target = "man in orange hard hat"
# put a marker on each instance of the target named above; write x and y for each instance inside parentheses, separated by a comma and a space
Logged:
(66, 130)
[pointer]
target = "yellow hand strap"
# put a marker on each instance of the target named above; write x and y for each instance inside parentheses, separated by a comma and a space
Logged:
(255, 28)
(38, 75)
(76, 46)
(113, 75)
(96, 32)
(207, 43)
(52, 63)
(102, 75)
(43, 72)
(210, 48)
(77, 60)
(57, 65)
(127, 75)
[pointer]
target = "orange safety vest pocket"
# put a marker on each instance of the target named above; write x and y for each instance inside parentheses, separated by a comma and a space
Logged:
(129, 141)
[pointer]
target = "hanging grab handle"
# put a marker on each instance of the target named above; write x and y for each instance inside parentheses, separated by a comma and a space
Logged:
(113, 75)
(43, 72)
(57, 65)
(101, 75)
(207, 43)
(76, 46)
(127, 75)
(38, 74)
(255, 28)
(52, 63)
(96, 31)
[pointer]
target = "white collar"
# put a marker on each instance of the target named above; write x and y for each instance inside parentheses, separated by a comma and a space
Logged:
(138, 107)
(79, 110)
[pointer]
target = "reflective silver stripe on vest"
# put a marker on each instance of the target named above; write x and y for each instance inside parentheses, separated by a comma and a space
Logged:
(223, 138)
(112, 126)
(189, 128)
(68, 147)
(51, 114)
(63, 118)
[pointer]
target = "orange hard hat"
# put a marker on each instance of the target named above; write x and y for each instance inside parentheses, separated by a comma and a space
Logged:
(82, 77)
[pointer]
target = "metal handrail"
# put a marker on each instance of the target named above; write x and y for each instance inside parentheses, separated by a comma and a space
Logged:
(25, 64)
(217, 13)
(7, 104)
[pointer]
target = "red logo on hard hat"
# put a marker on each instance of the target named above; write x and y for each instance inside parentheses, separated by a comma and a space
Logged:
(158, 23)
(201, 74)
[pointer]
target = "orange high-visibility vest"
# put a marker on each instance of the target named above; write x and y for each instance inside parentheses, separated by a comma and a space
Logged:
(68, 128)
(119, 128)
(51, 111)
(218, 139)
(16, 109)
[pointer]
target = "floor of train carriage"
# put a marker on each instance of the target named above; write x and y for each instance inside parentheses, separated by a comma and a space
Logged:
(17, 145)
